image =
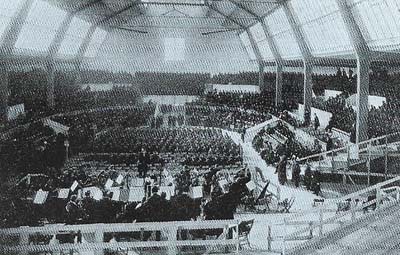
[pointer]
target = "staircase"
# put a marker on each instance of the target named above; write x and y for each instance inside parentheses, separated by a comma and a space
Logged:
(375, 234)
(318, 134)
(302, 232)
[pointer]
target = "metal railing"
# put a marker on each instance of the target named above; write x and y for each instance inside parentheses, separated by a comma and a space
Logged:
(169, 240)
(388, 191)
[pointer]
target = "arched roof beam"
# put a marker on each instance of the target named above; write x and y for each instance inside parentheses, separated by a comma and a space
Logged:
(353, 30)
(271, 42)
(119, 12)
(275, 52)
(363, 53)
(251, 38)
(11, 33)
(8, 39)
(85, 44)
(297, 31)
(308, 59)
(233, 20)
(86, 6)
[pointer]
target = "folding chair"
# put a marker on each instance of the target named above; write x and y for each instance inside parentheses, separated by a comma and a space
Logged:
(286, 205)
(264, 198)
(343, 206)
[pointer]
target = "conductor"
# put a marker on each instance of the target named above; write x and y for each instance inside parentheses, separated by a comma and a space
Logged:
(144, 159)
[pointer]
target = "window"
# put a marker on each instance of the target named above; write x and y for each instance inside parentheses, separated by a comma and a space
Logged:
(323, 26)
(174, 49)
(8, 10)
(97, 40)
(175, 1)
(244, 37)
(74, 37)
(40, 27)
(261, 40)
(282, 32)
(379, 23)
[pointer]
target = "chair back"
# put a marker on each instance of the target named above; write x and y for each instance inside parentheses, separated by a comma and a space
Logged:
(245, 227)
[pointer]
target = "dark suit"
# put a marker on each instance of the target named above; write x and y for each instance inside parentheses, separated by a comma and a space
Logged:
(144, 160)
(73, 212)
(296, 174)
(152, 207)
(89, 206)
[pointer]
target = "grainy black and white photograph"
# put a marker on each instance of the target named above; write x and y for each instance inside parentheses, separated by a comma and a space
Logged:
(199, 127)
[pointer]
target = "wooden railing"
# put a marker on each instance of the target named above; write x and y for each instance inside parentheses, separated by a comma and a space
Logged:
(325, 216)
(344, 158)
(303, 137)
(94, 237)
(344, 136)
(382, 141)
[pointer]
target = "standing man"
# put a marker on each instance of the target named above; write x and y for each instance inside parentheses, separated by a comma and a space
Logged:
(316, 122)
(296, 171)
(307, 177)
(281, 170)
(243, 133)
(143, 162)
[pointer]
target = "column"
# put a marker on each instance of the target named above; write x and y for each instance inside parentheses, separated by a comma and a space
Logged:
(50, 65)
(363, 66)
(7, 42)
(3, 92)
(77, 70)
(307, 97)
(52, 55)
(261, 76)
(278, 85)
(81, 53)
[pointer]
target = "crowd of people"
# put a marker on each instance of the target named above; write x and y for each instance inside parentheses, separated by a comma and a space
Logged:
(382, 120)
(154, 83)
(85, 125)
(34, 149)
(382, 82)
(311, 179)
(340, 81)
(223, 117)
(102, 77)
(91, 201)
(263, 102)
(343, 116)
(285, 144)
(191, 140)
(385, 119)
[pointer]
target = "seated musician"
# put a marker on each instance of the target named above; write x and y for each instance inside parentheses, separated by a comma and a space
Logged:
(73, 210)
(88, 206)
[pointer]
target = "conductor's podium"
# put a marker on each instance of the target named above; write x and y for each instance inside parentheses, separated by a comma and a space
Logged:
(183, 237)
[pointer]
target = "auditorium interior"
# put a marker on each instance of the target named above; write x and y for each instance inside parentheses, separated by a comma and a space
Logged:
(131, 127)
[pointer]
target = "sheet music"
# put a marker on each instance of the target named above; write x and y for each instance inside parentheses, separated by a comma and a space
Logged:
(119, 179)
(251, 185)
(196, 192)
(74, 186)
(40, 197)
(63, 193)
(108, 184)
